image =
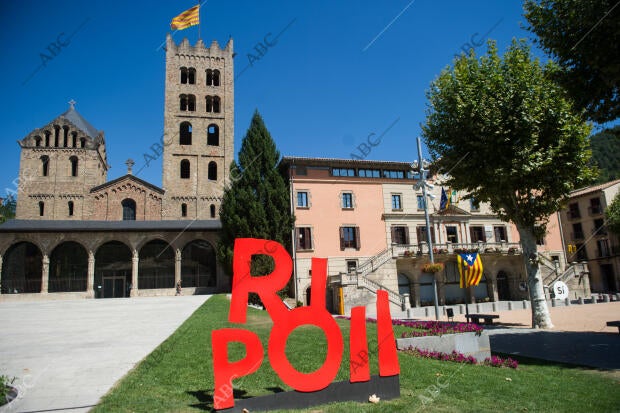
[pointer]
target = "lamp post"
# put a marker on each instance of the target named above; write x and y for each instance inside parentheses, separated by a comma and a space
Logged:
(421, 166)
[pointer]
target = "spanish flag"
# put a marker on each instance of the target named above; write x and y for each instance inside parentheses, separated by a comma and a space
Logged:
(188, 18)
(470, 268)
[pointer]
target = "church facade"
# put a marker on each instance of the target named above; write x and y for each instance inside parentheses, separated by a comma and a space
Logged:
(78, 234)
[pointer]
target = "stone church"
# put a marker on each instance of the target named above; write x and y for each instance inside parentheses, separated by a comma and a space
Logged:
(76, 234)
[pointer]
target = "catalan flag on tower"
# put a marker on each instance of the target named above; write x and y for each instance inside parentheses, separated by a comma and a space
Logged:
(470, 268)
(188, 18)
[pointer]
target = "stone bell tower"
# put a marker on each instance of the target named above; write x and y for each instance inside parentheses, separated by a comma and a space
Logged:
(198, 128)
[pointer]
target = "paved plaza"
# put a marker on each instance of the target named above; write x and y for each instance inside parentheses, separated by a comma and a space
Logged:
(67, 354)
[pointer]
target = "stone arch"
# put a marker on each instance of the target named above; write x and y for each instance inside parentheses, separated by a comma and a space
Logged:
(212, 171)
(68, 269)
(22, 268)
(198, 264)
(113, 264)
(156, 265)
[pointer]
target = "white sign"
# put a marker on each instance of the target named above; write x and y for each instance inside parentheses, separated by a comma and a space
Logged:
(560, 290)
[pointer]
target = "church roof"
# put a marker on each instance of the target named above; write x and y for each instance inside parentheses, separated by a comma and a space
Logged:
(78, 120)
(131, 178)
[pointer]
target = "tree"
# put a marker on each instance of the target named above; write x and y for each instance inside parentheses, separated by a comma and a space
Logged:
(256, 204)
(612, 214)
(7, 209)
(582, 36)
(606, 153)
(507, 135)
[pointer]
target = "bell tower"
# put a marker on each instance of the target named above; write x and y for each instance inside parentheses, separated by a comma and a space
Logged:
(198, 128)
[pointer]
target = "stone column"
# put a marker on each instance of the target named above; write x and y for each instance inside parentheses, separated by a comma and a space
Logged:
(45, 274)
(416, 293)
(177, 266)
(134, 274)
(90, 277)
(492, 288)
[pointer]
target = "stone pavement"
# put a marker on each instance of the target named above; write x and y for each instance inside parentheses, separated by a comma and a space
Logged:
(580, 335)
(67, 354)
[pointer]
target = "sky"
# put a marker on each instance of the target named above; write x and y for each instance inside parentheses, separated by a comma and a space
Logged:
(338, 72)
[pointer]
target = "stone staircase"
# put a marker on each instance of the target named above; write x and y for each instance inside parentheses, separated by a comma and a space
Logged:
(574, 276)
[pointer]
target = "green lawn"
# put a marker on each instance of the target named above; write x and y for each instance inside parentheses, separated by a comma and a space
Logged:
(178, 376)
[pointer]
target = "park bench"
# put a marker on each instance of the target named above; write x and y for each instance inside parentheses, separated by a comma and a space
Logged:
(475, 318)
(614, 324)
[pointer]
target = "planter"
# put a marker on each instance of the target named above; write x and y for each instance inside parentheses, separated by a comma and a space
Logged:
(469, 344)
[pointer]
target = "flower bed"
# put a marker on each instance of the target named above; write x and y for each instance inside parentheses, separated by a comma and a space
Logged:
(455, 356)
(436, 328)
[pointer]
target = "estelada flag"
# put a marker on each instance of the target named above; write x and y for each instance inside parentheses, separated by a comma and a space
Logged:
(188, 18)
(470, 269)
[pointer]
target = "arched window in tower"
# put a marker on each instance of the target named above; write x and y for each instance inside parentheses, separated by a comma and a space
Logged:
(70, 205)
(129, 209)
(209, 77)
(56, 135)
(191, 103)
(213, 135)
(183, 75)
(216, 77)
(82, 142)
(209, 103)
(216, 104)
(184, 169)
(212, 210)
(74, 165)
(185, 133)
(191, 76)
(65, 137)
(45, 165)
(37, 141)
(183, 210)
(183, 102)
(47, 138)
(212, 171)
(74, 139)
(41, 208)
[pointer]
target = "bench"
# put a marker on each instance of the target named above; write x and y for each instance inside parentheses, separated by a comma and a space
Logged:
(475, 318)
(614, 324)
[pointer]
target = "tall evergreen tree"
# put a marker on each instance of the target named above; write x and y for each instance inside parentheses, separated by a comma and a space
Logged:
(256, 204)
(7, 209)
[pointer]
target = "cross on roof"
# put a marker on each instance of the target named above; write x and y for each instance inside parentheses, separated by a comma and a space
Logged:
(130, 163)
(72, 103)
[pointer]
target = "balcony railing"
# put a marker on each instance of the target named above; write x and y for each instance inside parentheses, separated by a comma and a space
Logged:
(577, 235)
(599, 230)
(595, 210)
(414, 250)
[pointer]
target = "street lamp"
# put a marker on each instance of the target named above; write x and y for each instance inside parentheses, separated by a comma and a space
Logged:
(422, 166)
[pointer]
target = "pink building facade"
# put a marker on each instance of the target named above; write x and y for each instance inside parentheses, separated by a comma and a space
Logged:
(367, 219)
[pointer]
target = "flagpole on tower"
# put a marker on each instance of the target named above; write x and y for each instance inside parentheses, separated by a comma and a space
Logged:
(198, 19)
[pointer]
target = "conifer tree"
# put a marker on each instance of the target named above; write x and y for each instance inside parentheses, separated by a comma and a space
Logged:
(256, 203)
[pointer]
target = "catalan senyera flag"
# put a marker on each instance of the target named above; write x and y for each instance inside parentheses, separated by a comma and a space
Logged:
(470, 268)
(188, 18)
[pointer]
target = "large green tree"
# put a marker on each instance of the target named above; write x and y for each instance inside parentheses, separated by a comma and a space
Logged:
(507, 135)
(612, 213)
(582, 36)
(256, 201)
(606, 153)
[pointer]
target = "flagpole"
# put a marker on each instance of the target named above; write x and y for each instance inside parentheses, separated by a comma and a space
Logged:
(198, 19)
(423, 173)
